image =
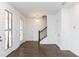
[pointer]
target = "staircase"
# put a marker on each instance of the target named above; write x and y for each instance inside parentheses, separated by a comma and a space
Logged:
(42, 34)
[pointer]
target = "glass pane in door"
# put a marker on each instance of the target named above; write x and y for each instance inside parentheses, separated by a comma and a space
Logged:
(10, 20)
(6, 20)
(6, 39)
(21, 29)
(10, 38)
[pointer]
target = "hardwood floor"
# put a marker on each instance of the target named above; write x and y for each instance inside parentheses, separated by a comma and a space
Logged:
(32, 49)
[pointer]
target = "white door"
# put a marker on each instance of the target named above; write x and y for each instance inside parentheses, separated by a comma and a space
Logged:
(5, 31)
(8, 29)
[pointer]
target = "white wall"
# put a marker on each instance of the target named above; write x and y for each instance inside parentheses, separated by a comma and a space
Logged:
(16, 28)
(31, 28)
(58, 18)
(74, 18)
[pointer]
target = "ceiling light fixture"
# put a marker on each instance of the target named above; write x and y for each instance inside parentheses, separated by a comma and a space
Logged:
(37, 20)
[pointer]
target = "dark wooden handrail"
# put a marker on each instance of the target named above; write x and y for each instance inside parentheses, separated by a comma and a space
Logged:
(43, 29)
(40, 31)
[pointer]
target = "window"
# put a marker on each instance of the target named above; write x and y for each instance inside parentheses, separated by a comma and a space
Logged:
(21, 29)
(8, 29)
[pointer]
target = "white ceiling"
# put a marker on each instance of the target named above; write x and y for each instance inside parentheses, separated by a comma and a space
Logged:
(41, 8)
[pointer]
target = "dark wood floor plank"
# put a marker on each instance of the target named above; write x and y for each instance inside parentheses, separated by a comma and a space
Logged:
(31, 49)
